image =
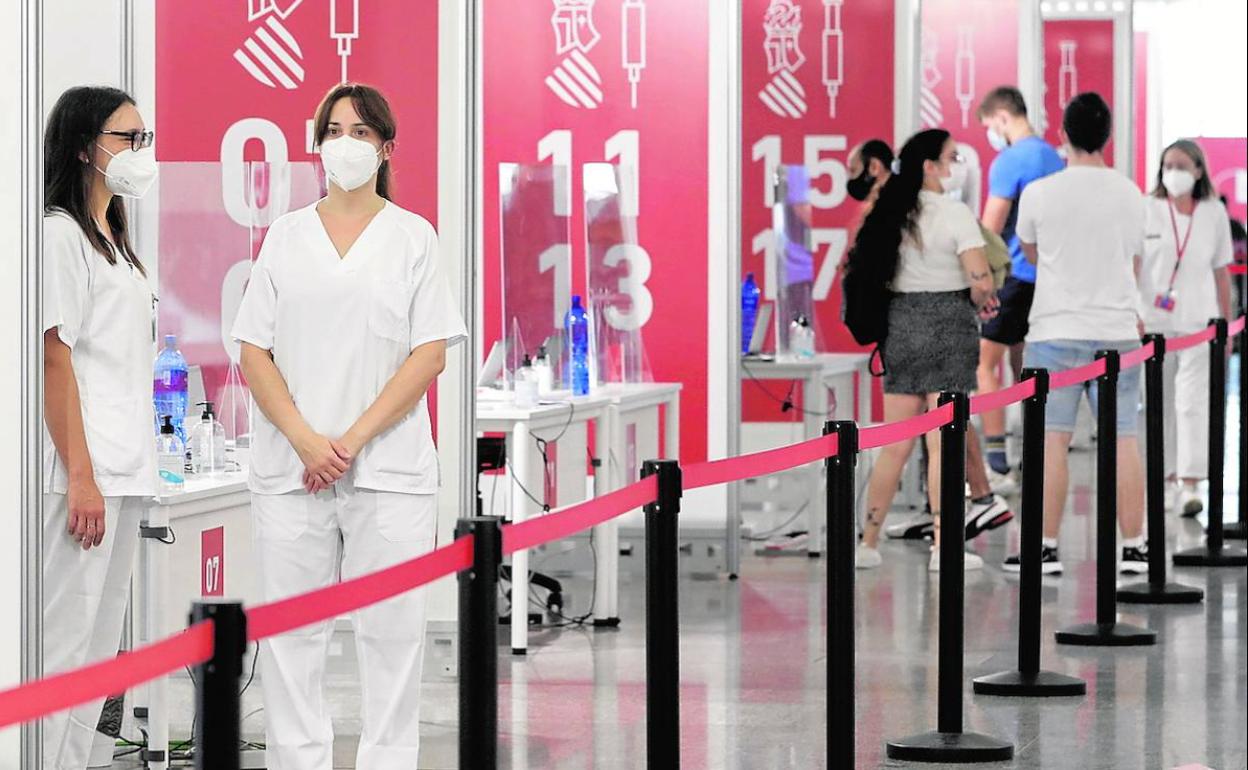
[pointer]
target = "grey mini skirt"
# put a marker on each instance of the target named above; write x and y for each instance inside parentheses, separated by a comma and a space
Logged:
(932, 345)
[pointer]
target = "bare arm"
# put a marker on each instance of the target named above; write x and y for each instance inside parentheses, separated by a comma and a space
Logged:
(1222, 282)
(978, 274)
(1029, 251)
(63, 415)
(324, 459)
(400, 396)
(996, 211)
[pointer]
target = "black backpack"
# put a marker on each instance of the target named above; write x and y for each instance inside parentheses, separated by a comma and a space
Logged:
(864, 309)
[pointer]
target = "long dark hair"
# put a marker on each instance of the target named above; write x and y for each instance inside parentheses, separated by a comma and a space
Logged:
(373, 110)
(1204, 186)
(877, 248)
(75, 123)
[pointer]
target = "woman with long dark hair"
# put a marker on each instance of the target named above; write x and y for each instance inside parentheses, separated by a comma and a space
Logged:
(927, 249)
(1183, 283)
(344, 327)
(99, 463)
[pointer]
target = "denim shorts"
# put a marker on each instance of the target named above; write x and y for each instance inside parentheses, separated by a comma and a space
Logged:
(1063, 405)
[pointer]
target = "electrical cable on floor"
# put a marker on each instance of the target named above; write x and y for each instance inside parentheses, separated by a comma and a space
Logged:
(771, 532)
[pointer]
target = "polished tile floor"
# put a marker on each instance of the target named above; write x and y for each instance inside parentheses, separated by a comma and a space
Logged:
(753, 668)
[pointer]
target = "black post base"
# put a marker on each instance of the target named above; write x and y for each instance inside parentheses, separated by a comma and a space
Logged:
(606, 622)
(950, 747)
(1227, 556)
(1106, 635)
(1042, 684)
(1236, 530)
(1169, 593)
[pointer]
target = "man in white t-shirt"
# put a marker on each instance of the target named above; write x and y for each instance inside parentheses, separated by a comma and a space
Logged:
(1083, 229)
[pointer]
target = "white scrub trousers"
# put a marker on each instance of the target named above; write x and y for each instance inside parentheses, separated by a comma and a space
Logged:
(1187, 413)
(302, 543)
(84, 608)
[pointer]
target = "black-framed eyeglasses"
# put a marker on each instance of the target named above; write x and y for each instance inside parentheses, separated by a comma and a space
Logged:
(138, 139)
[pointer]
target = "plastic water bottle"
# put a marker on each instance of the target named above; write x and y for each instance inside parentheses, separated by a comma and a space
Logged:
(749, 310)
(170, 457)
(169, 386)
(208, 443)
(576, 324)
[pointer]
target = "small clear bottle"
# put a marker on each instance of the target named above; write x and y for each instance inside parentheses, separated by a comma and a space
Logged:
(208, 443)
(526, 385)
(171, 457)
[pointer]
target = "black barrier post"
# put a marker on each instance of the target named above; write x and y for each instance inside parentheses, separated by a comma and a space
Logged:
(840, 577)
(1029, 680)
(1156, 590)
(1215, 553)
(1107, 631)
(218, 732)
(949, 743)
(478, 644)
(662, 618)
(1239, 530)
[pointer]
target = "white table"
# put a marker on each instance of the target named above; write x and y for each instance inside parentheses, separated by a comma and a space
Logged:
(565, 419)
(629, 437)
(824, 372)
(171, 575)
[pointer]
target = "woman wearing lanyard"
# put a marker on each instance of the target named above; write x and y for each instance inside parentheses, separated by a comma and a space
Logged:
(99, 461)
(1183, 283)
(344, 327)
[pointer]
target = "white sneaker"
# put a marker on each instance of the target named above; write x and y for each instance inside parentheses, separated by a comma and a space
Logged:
(982, 517)
(1001, 483)
(866, 557)
(970, 561)
(1192, 503)
(917, 527)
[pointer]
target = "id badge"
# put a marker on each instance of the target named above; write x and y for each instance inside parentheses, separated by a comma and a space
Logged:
(1165, 301)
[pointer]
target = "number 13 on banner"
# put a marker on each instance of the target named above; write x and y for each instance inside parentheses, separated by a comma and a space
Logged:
(625, 148)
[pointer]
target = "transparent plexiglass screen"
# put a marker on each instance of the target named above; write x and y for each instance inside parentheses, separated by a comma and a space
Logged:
(204, 233)
(535, 229)
(794, 268)
(617, 268)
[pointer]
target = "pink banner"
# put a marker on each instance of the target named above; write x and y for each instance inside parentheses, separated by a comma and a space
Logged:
(1078, 57)
(626, 83)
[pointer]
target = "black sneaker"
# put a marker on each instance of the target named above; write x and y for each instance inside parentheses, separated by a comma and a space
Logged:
(1134, 561)
(1050, 564)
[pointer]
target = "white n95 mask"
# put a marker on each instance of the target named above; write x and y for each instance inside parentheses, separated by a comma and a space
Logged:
(349, 162)
(1178, 182)
(130, 173)
(996, 140)
(956, 179)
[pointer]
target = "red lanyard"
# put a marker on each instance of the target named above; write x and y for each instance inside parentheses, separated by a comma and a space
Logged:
(1179, 247)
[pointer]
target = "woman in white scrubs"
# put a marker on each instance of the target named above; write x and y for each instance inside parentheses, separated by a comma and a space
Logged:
(1183, 283)
(344, 327)
(99, 462)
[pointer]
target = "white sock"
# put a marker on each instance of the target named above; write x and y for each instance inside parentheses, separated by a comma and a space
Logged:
(1133, 542)
(1049, 542)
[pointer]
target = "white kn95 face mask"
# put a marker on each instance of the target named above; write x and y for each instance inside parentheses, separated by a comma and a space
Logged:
(349, 162)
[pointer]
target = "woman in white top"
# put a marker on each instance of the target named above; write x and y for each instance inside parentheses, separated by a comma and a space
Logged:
(1183, 283)
(344, 327)
(929, 250)
(99, 460)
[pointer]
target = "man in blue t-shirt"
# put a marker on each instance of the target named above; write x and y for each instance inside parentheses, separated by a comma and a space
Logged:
(1023, 158)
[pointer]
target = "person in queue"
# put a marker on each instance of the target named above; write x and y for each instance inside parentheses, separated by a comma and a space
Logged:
(928, 249)
(344, 327)
(1083, 229)
(1022, 158)
(870, 167)
(1183, 283)
(99, 461)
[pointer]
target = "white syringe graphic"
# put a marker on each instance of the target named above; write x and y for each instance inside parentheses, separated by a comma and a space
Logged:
(1067, 75)
(633, 50)
(964, 72)
(833, 52)
(344, 26)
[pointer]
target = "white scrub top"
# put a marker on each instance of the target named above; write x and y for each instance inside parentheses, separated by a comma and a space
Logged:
(339, 329)
(1195, 292)
(103, 313)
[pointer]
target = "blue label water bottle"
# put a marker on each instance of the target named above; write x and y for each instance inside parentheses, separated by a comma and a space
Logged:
(169, 386)
(749, 310)
(576, 325)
